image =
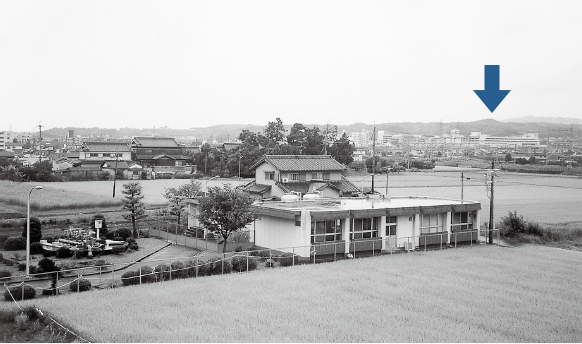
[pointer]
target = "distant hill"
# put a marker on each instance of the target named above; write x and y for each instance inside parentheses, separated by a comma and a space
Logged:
(555, 120)
(223, 132)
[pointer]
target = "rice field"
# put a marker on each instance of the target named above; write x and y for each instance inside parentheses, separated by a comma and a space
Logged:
(539, 198)
(479, 294)
(77, 195)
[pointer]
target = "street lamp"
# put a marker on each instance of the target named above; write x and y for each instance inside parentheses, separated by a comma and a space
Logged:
(28, 229)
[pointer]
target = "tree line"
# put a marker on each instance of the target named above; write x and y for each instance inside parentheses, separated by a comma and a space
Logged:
(300, 140)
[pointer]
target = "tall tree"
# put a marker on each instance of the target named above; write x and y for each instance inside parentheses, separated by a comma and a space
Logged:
(224, 211)
(342, 150)
(177, 197)
(133, 204)
(275, 131)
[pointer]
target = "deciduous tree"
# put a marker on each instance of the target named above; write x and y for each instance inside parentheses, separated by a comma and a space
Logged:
(224, 211)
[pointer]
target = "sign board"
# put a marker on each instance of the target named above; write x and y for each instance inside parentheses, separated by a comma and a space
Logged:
(98, 224)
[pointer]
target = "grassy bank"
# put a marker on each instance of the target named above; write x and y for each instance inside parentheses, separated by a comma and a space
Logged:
(482, 294)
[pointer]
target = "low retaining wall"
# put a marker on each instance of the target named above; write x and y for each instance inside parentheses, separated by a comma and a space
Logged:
(201, 244)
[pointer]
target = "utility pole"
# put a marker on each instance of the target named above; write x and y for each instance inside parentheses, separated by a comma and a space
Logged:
(115, 172)
(491, 204)
(373, 157)
(39, 143)
(463, 186)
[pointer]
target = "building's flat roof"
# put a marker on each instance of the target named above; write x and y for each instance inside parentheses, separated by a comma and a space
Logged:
(327, 204)
(333, 208)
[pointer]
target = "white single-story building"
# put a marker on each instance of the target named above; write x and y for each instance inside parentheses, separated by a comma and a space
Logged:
(343, 225)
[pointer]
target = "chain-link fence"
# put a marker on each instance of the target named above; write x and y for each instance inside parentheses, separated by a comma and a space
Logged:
(207, 263)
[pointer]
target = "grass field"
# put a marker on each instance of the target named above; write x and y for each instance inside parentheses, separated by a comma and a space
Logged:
(85, 193)
(479, 294)
(539, 198)
(545, 199)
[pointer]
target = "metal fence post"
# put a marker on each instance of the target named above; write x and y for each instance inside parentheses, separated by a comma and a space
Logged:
(196, 266)
(293, 256)
(334, 251)
(373, 247)
(456, 239)
(223, 258)
(441, 241)
(78, 282)
(471, 238)
(140, 275)
(170, 269)
(247, 261)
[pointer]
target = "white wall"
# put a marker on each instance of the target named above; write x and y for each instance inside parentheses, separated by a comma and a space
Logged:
(281, 234)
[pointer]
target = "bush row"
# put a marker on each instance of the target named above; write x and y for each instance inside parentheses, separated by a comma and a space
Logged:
(187, 269)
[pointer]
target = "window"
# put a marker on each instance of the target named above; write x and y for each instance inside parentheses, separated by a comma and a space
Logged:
(269, 175)
(390, 225)
(326, 231)
(297, 220)
(431, 223)
(94, 155)
(461, 221)
(314, 175)
(325, 175)
(302, 177)
(294, 176)
(364, 228)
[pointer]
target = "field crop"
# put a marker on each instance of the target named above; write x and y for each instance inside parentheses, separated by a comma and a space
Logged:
(539, 198)
(479, 294)
(76, 195)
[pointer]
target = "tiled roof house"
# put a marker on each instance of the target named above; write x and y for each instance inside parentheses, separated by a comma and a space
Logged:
(277, 175)
(157, 151)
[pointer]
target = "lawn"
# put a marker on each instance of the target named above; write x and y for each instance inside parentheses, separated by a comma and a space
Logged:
(478, 294)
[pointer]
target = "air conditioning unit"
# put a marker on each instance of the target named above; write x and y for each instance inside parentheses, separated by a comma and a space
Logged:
(285, 180)
(409, 246)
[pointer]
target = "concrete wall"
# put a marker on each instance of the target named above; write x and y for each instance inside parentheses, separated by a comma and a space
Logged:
(282, 234)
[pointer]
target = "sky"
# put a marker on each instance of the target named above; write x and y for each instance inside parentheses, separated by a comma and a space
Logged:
(185, 64)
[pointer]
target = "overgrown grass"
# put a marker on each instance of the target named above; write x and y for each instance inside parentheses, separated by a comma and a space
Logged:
(479, 294)
(51, 198)
(31, 326)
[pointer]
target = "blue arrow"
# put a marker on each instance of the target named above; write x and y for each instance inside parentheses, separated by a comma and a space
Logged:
(492, 96)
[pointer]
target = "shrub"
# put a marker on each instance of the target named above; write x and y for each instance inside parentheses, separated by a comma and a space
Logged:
(64, 252)
(36, 248)
(144, 233)
(100, 262)
(190, 268)
(270, 263)
(239, 263)
(3, 238)
(1, 257)
(9, 262)
(204, 269)
(178, 270)
(147, 274)
(15, 244)
(35, 229)
(49, 291)
(130, 278)
(288, 259)
(220, 266)
(123, 233)
(533, 229)
(133, 246)
(81, 284)
(18, 295)
(129, 240)
(162, 272)
(21, 266)
(5, 275)
(118, 239)
(118, 249)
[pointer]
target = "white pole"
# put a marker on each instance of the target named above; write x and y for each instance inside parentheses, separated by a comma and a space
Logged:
(28, 230)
